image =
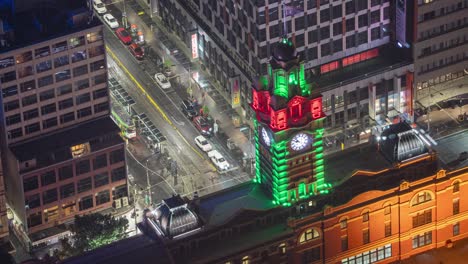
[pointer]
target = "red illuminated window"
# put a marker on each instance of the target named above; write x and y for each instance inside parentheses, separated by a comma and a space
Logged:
(329, 67)
(360, 57)
(316, 108)
(281, 119)
(255, 99)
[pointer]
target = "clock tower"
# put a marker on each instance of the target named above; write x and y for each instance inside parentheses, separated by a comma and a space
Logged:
(288, 130)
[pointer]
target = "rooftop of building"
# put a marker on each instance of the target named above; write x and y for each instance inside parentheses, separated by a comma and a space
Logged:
(453, 150)
(390, 57)
(44, 20)
(56, 147)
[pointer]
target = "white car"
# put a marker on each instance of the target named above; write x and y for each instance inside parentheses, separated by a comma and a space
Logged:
(203, 144)
(99, 6)
(218, 160)
(162, 81)
(111, 21)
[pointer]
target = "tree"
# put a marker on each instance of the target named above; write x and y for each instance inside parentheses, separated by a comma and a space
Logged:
(205, 111)
(92, 231)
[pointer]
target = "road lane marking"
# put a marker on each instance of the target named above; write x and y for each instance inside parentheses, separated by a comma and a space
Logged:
(150, 99)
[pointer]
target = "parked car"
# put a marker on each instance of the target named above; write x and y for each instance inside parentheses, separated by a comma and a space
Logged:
(202, 124)
(203, 144)
(124, 36)
(188, 109)
(99, 7)
(111, 21)
(162, 81)
(137, 51)
(218, 160)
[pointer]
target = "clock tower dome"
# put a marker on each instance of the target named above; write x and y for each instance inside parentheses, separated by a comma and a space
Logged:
(288, 130)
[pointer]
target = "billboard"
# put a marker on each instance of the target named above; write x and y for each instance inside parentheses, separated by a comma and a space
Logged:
(401, 22)
(194, 46)
(235, 91)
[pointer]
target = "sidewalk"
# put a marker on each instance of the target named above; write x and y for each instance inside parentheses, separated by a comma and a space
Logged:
(202, 96)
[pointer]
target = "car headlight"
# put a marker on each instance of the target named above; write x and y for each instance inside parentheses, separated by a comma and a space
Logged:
(210, 129)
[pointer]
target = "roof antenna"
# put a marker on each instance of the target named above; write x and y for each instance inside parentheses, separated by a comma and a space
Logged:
(285, 27)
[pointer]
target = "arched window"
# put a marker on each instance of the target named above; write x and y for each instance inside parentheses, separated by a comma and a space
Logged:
(421, 197)
(308, 235)
(456, 186)
(387, 209)
(246, 260)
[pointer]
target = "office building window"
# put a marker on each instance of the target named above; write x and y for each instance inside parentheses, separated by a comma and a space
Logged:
(100, 93)
(456, 186)
(117, 156)
(344, 243)
(82, 166)
(32, 128)
(81, 113)
(10, 91)
(80, 70)
(371, 256)
(47, 109)
(101, 179)
(13, 119)
(48, 123)
(388, 229)
(422, 240)
(422, 218)
(118, 174)
(86, 203)
(350, 7)
(15, 133)
(84, 185)
(365, 236)
(64, 104)
(46, 95)
(456, 229)
(64, 89)
(337, 28)
(30, 114)
(365, 217)
(10, 106)
(343, 223)
(83, 98)
(309, 234)
(33, 201)
(101, 107)
(456, 206)
(27, 86)
(68, 117)
(100, 161)
(49, 196)
(421, 197)
(29, 100)
(30, 183)
(103, 197)
(48, 178)
(67, 190)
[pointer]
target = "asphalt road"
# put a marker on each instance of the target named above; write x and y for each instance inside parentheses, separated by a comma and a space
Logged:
(178, 130)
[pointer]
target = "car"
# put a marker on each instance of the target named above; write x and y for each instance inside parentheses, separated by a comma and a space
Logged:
(124, 36)
(162, 81)
(218, 160)
(188, 110)
(99, 7)
(111, 21)
(203, 125)
(136, 51)
(203, 144)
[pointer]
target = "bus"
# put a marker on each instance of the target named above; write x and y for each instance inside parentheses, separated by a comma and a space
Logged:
(124, 120)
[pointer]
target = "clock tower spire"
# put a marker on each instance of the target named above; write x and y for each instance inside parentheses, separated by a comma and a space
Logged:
(288, 130)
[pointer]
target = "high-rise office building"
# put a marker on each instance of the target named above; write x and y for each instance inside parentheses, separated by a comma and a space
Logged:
(62, 153)
(349, 49)
(440, 50)
(3, 209)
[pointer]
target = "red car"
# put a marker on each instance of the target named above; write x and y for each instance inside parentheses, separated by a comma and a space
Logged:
(124, 36)
(137, 51)
(203, 125)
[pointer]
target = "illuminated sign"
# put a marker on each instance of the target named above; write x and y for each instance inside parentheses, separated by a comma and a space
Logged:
(194, 46)
(316, 108)
(235, 92)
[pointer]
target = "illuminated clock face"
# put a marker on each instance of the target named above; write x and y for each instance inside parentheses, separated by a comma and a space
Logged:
(300, 141)
(266, 137)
